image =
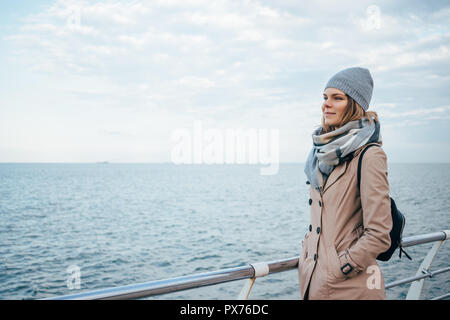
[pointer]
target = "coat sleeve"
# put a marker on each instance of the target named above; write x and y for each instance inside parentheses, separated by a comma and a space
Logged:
(376, 210)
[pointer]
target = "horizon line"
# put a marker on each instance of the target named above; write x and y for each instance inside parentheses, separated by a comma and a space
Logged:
(168, 162)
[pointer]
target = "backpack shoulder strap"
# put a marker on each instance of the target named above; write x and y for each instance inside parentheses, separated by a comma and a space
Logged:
(360, 161)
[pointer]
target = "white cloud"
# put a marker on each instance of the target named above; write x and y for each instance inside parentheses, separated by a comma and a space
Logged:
(443, 13)
(227, 61)
(196, 82)
(419, 113)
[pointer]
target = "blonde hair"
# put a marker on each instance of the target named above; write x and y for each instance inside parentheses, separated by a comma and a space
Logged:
(353, 112)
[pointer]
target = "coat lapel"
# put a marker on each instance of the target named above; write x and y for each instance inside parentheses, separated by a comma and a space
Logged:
(340, 169)
(335, 175)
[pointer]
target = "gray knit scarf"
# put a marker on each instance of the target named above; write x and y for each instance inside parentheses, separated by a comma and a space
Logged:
(335, 147)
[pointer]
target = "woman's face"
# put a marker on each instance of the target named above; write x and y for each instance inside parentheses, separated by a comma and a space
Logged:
(334, 106)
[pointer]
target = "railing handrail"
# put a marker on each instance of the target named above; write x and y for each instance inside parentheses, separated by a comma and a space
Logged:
(158, 287)
(425, 238)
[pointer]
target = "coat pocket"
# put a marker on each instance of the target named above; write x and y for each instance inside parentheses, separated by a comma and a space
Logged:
(359, 230)
(334, 265)
(350, 239)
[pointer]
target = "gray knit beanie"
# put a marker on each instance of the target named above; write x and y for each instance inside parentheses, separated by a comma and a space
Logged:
(356, 82)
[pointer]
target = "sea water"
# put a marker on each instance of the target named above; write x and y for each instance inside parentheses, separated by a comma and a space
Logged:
(120, 224)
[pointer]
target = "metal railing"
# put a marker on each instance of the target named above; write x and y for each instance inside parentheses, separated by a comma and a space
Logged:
(253, 271)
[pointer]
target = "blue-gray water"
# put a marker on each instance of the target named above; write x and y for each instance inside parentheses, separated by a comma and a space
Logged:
(130, 223)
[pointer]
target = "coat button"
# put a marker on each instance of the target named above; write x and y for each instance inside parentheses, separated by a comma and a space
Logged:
(315, 256)
(320, 203)
(318, 230)
(307, 182)
(310, 227)
(310, 201)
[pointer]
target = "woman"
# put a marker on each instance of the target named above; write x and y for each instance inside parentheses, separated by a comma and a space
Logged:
(350, 224)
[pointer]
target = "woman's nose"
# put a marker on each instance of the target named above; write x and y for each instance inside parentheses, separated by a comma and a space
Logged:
(327, 104)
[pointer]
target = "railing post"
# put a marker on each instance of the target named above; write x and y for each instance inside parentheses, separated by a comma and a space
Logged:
(415, 290)
(245, 291)
(261, 270)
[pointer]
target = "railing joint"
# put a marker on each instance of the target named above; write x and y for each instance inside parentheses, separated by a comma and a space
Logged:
(427, 272)
(261, 269)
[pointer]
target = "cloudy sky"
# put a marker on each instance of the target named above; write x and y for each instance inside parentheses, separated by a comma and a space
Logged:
(87, 81)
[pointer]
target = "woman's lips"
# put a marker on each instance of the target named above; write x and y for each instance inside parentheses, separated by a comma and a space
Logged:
(329, 113)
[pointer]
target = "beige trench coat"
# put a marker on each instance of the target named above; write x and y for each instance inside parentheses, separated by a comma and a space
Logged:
(349, 229)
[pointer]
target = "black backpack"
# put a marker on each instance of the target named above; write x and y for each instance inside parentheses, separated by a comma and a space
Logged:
(398, 222)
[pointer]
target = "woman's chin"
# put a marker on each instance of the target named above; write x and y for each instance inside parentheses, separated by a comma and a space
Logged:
(330, 123)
